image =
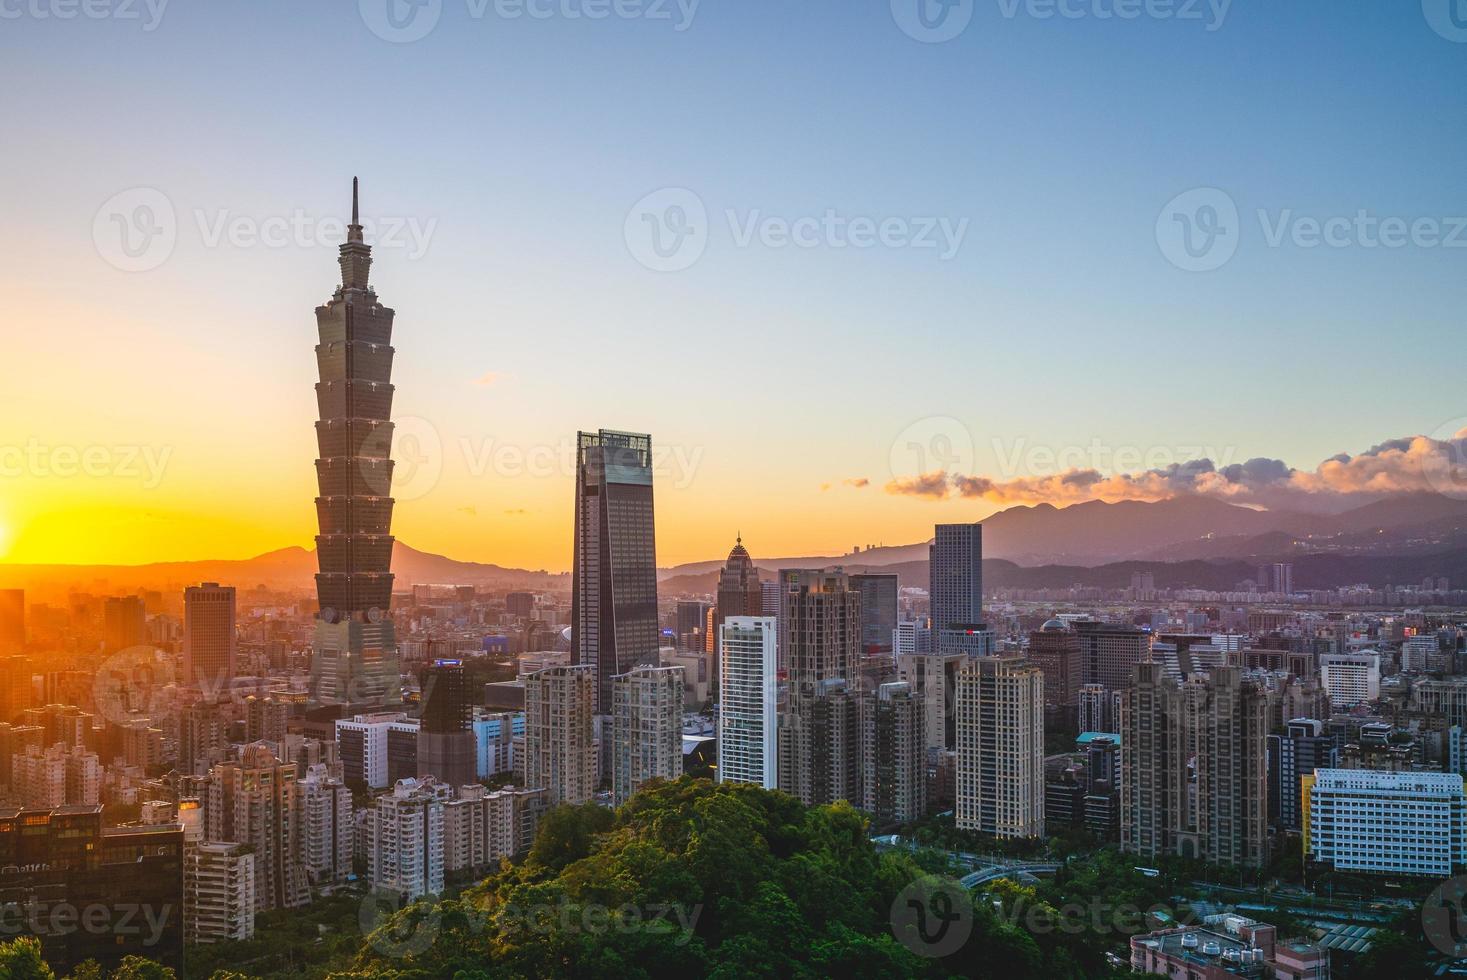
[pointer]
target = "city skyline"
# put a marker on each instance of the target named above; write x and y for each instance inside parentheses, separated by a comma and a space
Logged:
(1056, 199)
(1062, 373)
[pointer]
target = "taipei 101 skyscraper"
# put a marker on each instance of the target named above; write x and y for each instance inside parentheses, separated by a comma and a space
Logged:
(354, 656)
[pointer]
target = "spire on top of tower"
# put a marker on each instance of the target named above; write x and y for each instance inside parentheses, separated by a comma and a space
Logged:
(354, 230)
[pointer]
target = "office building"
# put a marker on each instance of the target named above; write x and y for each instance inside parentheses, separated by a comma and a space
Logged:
(1350, 679)
(1093, 708)
(1000, 746)
(1302, 748)
(614, 580)
(127, 880)
(1410, 823)
(209, 644)
(446, 747)
(1277, 578)
(748, 711)
(124, 622)
(12, 622)
(15, 687)
(692, 624)
(878, 613)
(955, 568)
(646, 728)
(377, 749)
(1194, 766)
(495, 735)
(560, 740)
(740, 592)
(1424, 654)
(770, 593)
(910, 636)
(354, 657)
(1109, 652)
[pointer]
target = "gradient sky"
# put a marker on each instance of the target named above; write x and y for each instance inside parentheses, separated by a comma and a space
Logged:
(768, 373)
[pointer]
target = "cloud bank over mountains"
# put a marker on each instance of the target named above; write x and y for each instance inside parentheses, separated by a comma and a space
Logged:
(1409, 465)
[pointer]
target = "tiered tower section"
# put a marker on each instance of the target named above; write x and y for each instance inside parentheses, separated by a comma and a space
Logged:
(355, 656)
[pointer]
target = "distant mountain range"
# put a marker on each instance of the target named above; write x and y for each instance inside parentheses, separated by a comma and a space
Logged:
(1190, 540)
(285, 569)
(1184, 541)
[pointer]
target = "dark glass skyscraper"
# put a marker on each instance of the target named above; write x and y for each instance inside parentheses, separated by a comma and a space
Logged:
(355, 651)
(614, 586)
(878, 612)
(445, 739)
(955, 567)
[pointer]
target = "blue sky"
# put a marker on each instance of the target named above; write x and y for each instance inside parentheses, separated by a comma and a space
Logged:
(526, 141)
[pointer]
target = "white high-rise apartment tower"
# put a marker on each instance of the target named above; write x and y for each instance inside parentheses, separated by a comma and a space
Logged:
(747, 709)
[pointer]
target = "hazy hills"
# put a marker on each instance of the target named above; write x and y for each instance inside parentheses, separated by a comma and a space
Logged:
(1184, 541)
(285, 569)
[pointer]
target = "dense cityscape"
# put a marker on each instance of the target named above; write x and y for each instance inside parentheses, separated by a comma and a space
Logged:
(924, 489)
(182, 769)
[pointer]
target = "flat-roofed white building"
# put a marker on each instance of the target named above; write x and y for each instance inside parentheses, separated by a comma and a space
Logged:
(1350, 678)
(747, 701)
(1389, 822)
